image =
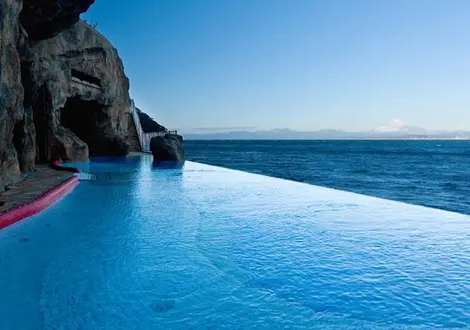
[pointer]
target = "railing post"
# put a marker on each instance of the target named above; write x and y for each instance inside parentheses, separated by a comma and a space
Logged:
(144, 138)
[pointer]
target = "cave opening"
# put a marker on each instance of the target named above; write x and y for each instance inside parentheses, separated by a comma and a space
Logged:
(40, 115)
(83, 118)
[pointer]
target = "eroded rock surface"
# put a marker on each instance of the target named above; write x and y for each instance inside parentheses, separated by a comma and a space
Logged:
(11, 92)
(83, 77)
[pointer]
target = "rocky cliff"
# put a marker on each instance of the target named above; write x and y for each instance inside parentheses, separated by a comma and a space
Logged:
(79, 77)
(63, 91)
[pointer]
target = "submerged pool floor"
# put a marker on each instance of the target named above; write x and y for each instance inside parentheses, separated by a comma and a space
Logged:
(206, 247)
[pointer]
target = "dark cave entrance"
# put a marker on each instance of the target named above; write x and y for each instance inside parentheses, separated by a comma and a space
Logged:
(83, 119)
(18, 136)
(41, 115)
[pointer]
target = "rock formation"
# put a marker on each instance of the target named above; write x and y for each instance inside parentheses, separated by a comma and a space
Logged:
(63, 91)
(81, 77)
(11, 92)
(167, 150)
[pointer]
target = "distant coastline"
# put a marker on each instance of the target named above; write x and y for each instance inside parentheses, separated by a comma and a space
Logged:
(192, 138)
(288, 134)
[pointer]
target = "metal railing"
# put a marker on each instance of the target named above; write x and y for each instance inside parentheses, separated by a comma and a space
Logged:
(138, 126)
(144, 138)
(148, 137)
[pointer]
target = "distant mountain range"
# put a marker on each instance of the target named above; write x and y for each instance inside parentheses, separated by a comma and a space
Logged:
(403, 133)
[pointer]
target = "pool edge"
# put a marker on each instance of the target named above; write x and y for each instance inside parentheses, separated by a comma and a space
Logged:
(38, 204)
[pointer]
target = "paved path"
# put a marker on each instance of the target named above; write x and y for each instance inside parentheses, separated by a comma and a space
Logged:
(33, 186)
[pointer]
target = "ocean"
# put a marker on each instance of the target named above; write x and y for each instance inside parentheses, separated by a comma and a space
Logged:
(429, 173)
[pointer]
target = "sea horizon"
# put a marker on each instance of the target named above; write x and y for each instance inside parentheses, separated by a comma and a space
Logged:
(332, 139)
(432, 173)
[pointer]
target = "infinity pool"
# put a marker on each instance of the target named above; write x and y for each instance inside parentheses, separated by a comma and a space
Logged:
(206, 247)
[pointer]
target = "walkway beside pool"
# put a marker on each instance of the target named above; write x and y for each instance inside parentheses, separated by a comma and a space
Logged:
(31, 188)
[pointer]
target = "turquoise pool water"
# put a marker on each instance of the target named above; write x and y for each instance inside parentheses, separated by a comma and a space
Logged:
(206, 247)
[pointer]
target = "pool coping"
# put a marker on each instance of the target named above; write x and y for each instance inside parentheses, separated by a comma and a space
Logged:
(41, 202)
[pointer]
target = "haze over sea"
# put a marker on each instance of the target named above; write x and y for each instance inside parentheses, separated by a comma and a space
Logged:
(429, 173)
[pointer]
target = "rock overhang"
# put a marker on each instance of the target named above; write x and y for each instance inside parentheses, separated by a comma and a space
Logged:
(44, 19)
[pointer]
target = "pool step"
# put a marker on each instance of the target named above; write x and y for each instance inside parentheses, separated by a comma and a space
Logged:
(85, 176)
(109, 177)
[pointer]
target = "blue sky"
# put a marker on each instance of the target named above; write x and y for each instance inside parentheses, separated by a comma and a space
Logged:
(301, 64)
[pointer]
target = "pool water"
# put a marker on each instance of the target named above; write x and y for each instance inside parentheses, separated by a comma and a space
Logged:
(207, 247)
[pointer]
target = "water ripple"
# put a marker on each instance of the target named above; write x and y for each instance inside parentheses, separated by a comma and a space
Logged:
(206, 247)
